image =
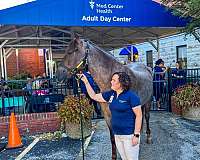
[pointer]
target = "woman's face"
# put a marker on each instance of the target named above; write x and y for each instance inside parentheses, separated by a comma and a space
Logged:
(115, 84)
(177, 65)
(161, 64)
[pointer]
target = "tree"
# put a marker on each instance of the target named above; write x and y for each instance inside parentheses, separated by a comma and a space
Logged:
(187, 9)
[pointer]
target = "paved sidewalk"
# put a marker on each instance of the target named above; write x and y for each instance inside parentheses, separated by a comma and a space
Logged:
(174, 138)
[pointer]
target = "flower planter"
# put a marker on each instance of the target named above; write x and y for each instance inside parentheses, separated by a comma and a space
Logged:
(185, 101)
(69, 113)
(175, 109)
(73, 130)
(192, 113)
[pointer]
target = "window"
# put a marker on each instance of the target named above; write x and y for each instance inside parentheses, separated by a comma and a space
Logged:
(149, 58)
(182, 55)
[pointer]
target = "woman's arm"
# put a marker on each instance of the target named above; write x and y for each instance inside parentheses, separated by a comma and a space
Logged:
(138, 123)
(97, 97)
(138, 119)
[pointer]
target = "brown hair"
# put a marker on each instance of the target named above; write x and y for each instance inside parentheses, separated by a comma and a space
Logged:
(124, 80)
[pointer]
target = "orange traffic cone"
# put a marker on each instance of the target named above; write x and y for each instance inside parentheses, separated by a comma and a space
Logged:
(14, 139)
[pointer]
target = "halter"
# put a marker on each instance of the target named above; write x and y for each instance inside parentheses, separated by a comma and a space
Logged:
(83, 62)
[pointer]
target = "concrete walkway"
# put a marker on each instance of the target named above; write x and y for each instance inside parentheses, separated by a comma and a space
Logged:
(174, 138)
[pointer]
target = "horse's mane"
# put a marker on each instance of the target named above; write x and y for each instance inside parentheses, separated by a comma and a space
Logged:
(102, 50)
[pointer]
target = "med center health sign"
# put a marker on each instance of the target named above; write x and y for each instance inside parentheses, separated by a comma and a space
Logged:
(134, 13)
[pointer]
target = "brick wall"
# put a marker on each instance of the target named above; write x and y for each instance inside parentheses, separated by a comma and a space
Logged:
(32, 123)
(29, 61)
(11, 64)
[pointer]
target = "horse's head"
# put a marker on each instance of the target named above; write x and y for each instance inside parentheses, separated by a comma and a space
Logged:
(75, 59)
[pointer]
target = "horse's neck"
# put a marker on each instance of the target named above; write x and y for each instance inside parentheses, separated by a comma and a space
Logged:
(102, 65)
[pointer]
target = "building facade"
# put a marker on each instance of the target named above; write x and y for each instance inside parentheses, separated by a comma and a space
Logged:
(173, 48)
(27, 60)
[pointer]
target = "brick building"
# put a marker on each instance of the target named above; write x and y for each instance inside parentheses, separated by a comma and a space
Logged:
(27, 60)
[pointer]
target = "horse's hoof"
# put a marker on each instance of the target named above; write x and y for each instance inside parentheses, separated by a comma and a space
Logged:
(149, 141)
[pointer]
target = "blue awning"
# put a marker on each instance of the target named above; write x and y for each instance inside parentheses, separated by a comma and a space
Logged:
(128, 50)
(123, 13)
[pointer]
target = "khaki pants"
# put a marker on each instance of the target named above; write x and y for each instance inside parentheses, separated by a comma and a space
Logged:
(126, 150)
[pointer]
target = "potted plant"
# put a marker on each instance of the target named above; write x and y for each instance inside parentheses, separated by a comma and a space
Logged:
(69, 113)
(187, 100)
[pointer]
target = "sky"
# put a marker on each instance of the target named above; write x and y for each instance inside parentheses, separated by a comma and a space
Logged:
(11, 3)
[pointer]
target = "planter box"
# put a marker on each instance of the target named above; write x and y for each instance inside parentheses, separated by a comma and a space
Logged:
(192, 113)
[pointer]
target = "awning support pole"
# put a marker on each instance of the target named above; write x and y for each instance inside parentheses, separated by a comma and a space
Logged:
(196, 35)
(156, 47)
(2, 58)
(5, 67)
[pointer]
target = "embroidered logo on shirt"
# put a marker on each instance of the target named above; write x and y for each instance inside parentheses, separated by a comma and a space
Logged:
(111, 99)
(121, 101)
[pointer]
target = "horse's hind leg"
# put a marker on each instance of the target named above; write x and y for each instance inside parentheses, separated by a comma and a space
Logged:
(147, 108)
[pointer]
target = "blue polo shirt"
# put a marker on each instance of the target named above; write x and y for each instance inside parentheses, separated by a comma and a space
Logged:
(123, 117)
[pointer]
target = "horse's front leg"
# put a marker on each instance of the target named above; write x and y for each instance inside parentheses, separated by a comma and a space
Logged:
(107, 117)
(147, 108)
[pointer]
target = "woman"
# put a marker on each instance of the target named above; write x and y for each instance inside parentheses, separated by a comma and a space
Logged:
(126, 113)
(178, 76)
(158, 84)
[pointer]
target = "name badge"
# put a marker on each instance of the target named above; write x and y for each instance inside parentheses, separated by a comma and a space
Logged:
(111, 99)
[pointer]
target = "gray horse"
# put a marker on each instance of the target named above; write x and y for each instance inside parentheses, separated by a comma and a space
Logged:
(102, 65)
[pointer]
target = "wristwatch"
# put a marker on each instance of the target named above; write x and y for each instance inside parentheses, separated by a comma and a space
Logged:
(137, 135)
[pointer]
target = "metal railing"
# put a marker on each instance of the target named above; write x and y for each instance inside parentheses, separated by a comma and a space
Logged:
(163, 87)
(33, 96)
(45, 95)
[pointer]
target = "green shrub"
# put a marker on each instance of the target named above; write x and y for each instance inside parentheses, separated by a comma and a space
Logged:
(69, 111)
(187, 96)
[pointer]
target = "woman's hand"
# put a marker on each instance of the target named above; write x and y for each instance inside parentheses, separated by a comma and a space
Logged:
(135, 140)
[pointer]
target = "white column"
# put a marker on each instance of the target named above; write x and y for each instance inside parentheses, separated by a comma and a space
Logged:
(158, 47)
(17, 59)
(2, 58)
(2, 64)
(131, 53)
(51, 63)
(46, 62)
(5, 66)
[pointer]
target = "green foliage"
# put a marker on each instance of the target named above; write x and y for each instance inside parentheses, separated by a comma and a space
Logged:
(18, 81)
(186, 9)
(69, 111)
(187, 96)
(21, 76)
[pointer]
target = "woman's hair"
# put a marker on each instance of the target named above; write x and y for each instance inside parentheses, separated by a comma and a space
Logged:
(180, 64)
(124, 80)
(159, 61)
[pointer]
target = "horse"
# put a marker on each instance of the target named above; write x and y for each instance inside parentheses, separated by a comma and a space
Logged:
(102, 65)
